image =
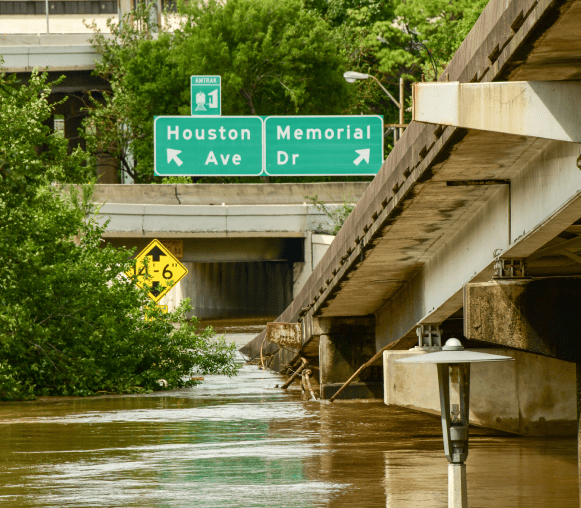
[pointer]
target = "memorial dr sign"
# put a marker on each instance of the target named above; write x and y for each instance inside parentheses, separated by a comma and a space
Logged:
(323, 145)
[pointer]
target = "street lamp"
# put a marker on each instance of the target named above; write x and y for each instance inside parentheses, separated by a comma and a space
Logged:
(454, 372)
(352, 76)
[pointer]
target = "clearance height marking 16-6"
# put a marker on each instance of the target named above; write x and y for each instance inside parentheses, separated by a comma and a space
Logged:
(161, 268)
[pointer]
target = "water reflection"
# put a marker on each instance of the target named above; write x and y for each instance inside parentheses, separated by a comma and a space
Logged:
(244, 443)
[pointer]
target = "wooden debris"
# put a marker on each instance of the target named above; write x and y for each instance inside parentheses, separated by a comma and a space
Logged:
(294, 376)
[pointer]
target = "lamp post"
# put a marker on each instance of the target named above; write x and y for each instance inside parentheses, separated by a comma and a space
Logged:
(352, 76)
(453, 364)
(46, 6)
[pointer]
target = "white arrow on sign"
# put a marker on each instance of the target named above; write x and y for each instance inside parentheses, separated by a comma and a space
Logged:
(172, 155)
(363, 155)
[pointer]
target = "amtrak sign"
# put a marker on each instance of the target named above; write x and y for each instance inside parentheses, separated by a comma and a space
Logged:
(206, 95)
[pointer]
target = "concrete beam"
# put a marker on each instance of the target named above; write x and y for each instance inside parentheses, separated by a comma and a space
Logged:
(187, 221)
(57, 52)
(239, 194)
(541, 109)
(540, 316)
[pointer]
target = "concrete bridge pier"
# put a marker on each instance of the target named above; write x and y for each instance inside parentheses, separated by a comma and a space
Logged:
(536, 322)
(536, 315)
(541, 319)
(345, 343)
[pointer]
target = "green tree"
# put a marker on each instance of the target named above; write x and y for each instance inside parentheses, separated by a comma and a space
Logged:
(275, 58)
(423, 36)
(401, 38)
(71, 322)
(337, 214)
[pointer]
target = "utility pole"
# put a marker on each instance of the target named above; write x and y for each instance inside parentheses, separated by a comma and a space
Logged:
(401, 106)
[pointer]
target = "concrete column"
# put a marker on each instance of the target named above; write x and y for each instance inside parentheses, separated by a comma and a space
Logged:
(124, 7)
(107, 168)
(579, 426)
(302, 270)
(345, 344)
(457, 489)
(73, 122)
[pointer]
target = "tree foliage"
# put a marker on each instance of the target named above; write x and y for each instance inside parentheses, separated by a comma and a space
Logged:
(70, 322)
(275, 58)
(400, 38)
(337, 213)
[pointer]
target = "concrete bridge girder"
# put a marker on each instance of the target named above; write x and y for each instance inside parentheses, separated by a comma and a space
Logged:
(542, 109)
(57, 52)
(187, 221)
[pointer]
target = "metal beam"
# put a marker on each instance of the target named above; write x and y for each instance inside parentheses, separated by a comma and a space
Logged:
(541, 109)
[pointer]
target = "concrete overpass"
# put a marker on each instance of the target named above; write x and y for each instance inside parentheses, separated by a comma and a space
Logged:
(57, 52)
(461, 200)
(249, 248)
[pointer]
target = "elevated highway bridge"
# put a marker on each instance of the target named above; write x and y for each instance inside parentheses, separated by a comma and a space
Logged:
(248, 248)
(472, 229)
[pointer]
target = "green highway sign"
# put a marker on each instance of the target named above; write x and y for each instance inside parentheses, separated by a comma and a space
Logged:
(208, 146)
(323, 145)
(206, 95)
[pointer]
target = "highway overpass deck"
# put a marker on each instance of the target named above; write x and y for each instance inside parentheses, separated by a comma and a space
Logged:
(219, 211)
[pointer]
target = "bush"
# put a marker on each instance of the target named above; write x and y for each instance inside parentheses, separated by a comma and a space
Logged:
(71, 322)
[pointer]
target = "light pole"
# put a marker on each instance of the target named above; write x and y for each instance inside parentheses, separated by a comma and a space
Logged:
(352, 76)
(453, 364)
(46, 9)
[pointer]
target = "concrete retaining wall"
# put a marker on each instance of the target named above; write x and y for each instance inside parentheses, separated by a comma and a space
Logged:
(532, 396)
(230, 290)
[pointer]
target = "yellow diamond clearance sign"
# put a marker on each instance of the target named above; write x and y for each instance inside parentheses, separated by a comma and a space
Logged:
(158, 268)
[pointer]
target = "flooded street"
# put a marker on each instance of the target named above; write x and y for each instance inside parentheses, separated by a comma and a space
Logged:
(241, 442)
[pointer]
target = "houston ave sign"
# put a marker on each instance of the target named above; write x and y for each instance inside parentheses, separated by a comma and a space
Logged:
(211, 146)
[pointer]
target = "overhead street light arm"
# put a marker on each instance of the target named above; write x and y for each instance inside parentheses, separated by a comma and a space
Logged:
(397, 104)
(351, 77)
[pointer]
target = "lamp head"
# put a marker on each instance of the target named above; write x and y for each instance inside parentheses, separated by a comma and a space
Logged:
(453, 345)
(454, 352)
(352, 76)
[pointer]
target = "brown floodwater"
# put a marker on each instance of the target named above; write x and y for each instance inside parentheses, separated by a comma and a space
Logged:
(242, 442)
